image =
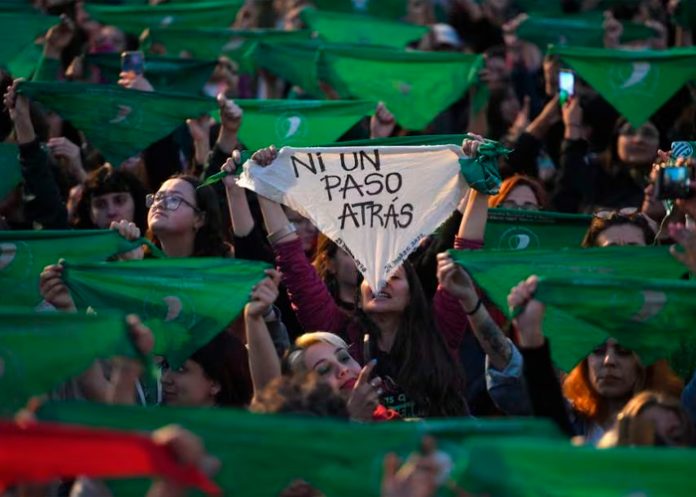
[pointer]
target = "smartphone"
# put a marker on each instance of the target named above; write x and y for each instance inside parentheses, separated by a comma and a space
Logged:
(133, 62)
(566, 85)
(674, 182)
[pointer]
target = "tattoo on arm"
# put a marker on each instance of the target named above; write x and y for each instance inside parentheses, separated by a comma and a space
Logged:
(491, 338)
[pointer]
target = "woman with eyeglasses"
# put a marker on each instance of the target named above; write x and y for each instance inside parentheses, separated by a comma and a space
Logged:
(183, 220)
(613, 179)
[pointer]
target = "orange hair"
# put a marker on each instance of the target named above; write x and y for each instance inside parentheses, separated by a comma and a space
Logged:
(514, 181)
(585, 400)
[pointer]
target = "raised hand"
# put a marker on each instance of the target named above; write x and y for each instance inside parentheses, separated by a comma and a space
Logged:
(265, 156)
(53, 289)
(382, 122)
(365, 396)
(263, 295)
(528, 321)
(131, 232)
(456, 281)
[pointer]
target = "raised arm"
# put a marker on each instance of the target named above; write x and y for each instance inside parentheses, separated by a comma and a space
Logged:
(457, 282)
(542, 383)
(313, 304)
(264, 363)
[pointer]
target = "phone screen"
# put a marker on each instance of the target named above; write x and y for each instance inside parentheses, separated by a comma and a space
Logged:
(566, 84)
(133, 62)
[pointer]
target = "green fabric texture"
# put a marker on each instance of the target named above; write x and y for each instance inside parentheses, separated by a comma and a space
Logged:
(164, 73)
(337, 457)
(185, 301)
(118, 121)
(531, 467)
(650, 316)
(298, 123)
(210, 43)
(577, 30)
(388, 9)
(403, 140)
(498, 271)
(336, 27)
(38, 351)
(295, 62)
(415, 86)
(10, 170)
(481, 172)
(18, 32)
(513, 229)
(24, 254)
(135, 18)
(636, 83)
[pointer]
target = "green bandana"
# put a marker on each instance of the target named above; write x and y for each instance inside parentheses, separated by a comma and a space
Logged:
(636, 83)
(513, 229)
(210, 43)
(298, 123)
(135, 18)
(24, 254)
(362, 30)
(118, 121)
(498, 271)
(38, 351)
(164, 73)
(185, 301)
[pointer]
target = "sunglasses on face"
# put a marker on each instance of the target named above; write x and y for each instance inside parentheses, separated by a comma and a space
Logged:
(168, 202)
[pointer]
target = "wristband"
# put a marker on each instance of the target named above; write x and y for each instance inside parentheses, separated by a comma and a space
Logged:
(278, 235)
(476, 308)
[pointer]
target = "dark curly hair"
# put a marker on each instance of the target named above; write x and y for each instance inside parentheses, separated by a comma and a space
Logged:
(616, 218)
(107, 179)
(209, 241)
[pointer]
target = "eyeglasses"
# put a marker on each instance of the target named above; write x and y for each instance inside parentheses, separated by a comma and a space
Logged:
(630, 213)
(169, 202)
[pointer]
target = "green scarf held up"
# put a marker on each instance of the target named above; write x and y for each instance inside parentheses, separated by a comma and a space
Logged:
(168, 74)
(385, 9)
(337, 457)
(336, 27)
(210, 43)
(38, 351)
(498, 271)
(653, 317)
(514, 229)
(636, 82)
(135, 18)
(583, 30)
(24, 254)
(294, 61)
(185, 301)
(18, 34)
(415, 86)
(298, 123)
(481, 172)
(118, 121)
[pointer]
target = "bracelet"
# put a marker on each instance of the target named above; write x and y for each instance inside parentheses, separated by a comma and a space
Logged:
(278, 235)
(476, 308)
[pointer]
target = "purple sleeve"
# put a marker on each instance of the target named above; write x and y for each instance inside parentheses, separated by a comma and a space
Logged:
(311, 300)
(449, 315)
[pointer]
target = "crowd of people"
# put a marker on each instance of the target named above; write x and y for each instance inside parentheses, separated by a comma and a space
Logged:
(314, 338)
